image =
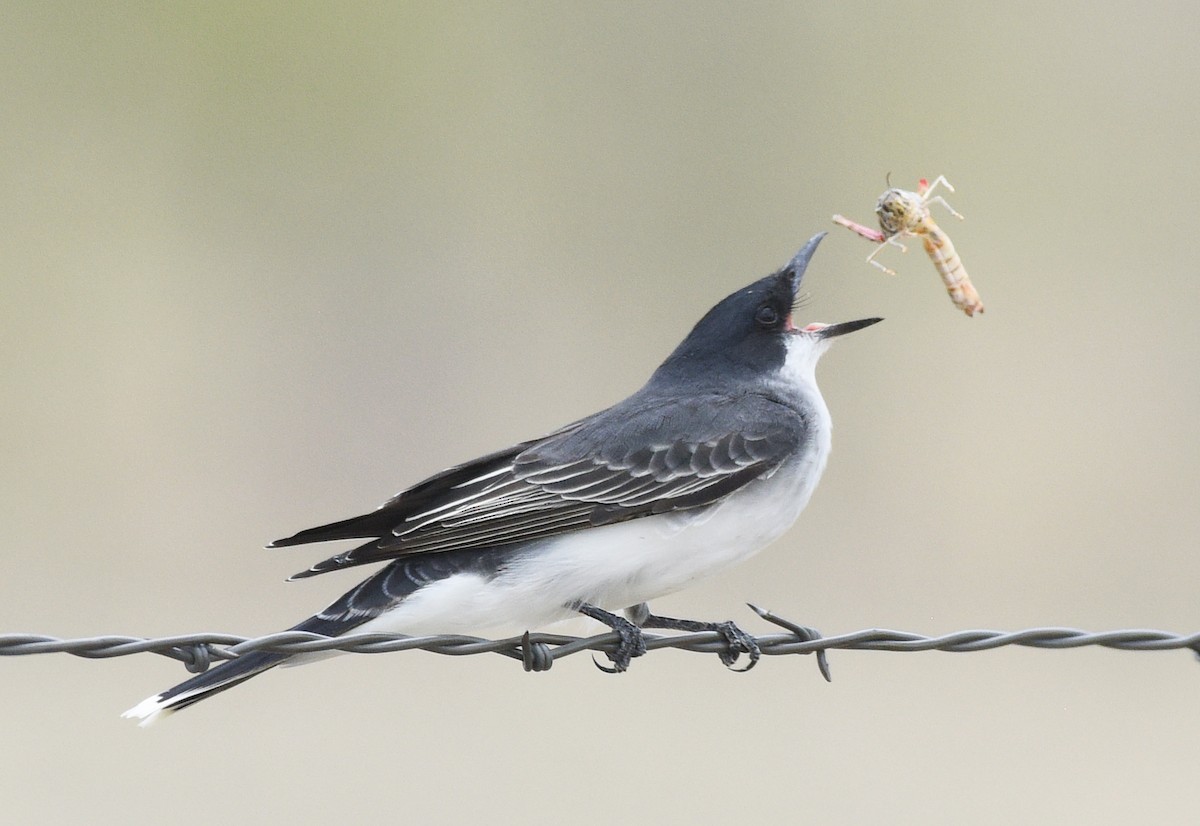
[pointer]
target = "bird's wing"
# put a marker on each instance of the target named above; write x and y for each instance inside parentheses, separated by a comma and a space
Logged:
(612, 467)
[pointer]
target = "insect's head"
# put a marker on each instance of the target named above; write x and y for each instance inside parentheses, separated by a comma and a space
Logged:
(897, 210)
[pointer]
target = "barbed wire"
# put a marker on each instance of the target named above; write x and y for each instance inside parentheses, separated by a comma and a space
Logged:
(538, 651)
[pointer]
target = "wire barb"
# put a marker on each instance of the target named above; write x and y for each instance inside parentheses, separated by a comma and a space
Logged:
(538, 651)
(802, 633)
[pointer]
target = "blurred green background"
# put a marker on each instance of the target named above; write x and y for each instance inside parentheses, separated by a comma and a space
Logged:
(264, 265)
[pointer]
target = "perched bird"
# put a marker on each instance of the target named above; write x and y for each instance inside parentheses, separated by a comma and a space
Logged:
(711, 460)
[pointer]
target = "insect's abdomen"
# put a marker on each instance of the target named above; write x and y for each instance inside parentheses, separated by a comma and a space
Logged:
(950, 268)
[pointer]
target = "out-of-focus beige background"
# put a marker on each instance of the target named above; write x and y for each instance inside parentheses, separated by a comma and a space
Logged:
(261, 266)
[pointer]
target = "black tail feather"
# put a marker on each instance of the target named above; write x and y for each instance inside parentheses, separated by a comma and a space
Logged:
(227, 674)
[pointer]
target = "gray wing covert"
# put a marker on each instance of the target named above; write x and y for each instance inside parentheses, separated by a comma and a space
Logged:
(608, 469)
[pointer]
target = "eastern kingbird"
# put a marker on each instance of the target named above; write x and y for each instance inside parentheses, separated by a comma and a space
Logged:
(699, 469)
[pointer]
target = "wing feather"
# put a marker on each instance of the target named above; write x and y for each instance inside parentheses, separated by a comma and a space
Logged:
(610, 468)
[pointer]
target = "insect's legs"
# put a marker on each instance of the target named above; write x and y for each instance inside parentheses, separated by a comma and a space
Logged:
(866, 232)
(890, 240)
(940, 179)
(940, 200)
(927, 196)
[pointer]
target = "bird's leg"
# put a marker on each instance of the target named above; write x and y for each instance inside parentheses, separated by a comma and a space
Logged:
(737, 639)
(631, 643)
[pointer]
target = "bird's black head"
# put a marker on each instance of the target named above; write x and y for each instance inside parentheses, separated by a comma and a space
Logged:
(746, 331)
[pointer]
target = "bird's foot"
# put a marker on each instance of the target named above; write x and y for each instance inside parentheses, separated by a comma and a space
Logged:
(737, 641)
(630, 642)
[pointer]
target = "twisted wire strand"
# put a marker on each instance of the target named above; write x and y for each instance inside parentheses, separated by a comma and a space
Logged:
(538, 651)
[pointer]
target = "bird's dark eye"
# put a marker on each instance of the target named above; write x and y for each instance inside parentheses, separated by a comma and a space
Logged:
(766, 316)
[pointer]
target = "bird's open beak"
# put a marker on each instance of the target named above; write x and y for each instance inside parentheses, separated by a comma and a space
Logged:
(831, 330)
(796, 268)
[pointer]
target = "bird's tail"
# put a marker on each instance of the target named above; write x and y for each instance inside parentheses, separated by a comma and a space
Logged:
(226, 675)
(367, 600)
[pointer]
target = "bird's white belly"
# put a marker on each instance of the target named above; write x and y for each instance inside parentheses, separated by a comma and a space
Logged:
(614, 566)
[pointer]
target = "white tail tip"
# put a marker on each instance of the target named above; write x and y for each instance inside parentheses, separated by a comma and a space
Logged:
(148, 711)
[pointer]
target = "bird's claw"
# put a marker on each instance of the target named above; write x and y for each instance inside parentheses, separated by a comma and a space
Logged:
(630, 644)
(738, 641)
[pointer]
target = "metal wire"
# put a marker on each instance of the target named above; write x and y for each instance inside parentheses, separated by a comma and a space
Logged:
(537, 652)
